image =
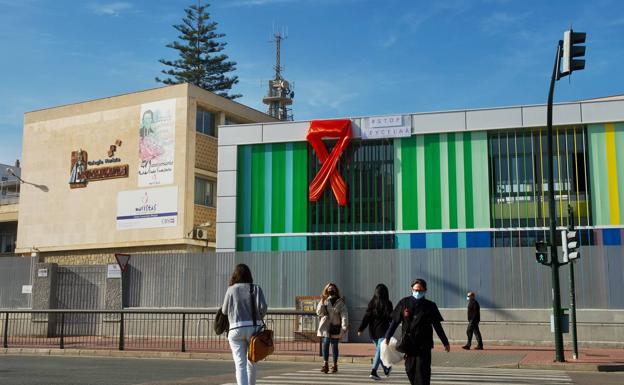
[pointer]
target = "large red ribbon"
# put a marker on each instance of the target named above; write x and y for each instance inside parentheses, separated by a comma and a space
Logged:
(319, 129)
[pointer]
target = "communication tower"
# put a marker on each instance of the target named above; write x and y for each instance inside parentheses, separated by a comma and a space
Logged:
(281, 93)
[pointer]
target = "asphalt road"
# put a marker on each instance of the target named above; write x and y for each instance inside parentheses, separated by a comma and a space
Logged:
(50, 370)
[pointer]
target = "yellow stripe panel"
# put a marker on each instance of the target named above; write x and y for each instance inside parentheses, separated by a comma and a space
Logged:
(614, 213)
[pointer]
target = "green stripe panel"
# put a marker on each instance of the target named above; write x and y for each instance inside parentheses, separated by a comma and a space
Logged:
(468, 192)
(300, 187)
(444, 181)
(597, 172)
(452, 181)
(278, 187)
(481, 180)
(432, 181)
(258, 178)
(272, 195)
(409, 196)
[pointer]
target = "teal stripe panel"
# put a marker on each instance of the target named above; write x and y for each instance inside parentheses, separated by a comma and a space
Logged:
(461, 240)
(434, 240)
(292, 243)
(244, 189)
(403, 241)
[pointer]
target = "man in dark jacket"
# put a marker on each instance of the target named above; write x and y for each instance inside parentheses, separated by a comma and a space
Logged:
(419, 317)
(474, 317)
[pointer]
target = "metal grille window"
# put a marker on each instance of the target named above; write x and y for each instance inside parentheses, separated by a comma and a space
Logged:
(205, 122)
(519, 182)
(368, 169)
(204, 192)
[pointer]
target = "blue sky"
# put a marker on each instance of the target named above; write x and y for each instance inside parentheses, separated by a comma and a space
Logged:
(345, 57)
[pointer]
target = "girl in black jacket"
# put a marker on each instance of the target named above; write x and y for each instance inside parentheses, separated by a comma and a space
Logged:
(377, 318)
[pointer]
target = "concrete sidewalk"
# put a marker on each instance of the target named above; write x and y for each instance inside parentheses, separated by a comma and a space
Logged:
(523, 357)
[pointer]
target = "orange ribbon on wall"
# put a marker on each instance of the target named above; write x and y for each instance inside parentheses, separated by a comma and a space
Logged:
(336, 129)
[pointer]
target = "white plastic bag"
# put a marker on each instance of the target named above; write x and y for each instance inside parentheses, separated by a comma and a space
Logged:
(389, 355)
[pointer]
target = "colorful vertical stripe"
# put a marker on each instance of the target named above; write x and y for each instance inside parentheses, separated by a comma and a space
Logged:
(272, 195)
(444, 182)
(606, 160)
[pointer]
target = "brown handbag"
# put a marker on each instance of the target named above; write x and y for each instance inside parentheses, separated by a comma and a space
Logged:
(261, 343)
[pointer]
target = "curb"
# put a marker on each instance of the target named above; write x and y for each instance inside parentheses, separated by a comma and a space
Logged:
(566, 366)
(575, 367)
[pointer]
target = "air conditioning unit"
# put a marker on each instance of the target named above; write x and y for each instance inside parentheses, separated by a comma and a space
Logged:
(200, 234)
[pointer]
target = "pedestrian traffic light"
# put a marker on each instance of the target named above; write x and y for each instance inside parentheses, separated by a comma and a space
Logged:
(570, 245)
(541, 252)
(572, 50)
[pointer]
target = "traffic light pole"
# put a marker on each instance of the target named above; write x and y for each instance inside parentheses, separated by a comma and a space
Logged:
(572, 291)
(554, 260)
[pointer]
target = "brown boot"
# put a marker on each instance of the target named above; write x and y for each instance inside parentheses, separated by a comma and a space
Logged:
(334, 368)
(325, 368)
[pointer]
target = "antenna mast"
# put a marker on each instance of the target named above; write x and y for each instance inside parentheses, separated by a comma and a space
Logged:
(280, 94)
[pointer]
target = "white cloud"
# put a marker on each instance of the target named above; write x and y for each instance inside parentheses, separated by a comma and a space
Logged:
(110, 9)
(252, 3)
(502, 21)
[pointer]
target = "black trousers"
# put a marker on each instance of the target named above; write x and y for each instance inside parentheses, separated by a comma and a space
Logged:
(418, 368)
(474, 328)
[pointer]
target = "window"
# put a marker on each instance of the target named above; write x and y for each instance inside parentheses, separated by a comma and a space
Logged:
(205, 192)
(367, 167)
(206, 122)
(519, 182)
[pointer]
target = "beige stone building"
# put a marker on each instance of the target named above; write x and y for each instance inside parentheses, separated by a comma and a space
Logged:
(132, 173)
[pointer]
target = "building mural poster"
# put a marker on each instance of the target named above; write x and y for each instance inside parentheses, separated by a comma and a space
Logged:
(147, 208)
(157, 143)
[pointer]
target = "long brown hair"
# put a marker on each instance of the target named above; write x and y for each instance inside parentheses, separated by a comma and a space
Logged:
(326, 288)
(241, 274)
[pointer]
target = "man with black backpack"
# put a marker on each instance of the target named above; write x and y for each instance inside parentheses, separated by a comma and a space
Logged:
(419, 317)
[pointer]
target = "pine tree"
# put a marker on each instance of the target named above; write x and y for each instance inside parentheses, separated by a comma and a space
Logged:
(200, 62)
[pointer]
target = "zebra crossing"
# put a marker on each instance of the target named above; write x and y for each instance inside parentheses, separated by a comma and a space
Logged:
(358, 375)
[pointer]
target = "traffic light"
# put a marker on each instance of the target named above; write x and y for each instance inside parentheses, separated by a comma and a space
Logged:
(572, 50)
(541, 252)
(570, 245)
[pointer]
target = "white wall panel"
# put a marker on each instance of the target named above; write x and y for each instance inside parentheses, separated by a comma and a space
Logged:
(226, 183)
(226, 235)
(226, 209)
(491, 119)
(227, 158)
(243, 134)
(284, 132)
(602, 112)
(535, 116)
(439, 122)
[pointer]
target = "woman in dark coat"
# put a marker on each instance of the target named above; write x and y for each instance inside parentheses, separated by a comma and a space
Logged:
(377, 318)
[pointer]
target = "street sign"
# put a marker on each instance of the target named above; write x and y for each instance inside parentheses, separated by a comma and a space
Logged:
(122, 261)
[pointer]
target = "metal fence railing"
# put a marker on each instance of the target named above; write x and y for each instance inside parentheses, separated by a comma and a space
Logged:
(163, 330)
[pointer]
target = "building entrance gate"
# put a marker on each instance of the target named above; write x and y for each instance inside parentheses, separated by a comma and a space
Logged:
(81, 287)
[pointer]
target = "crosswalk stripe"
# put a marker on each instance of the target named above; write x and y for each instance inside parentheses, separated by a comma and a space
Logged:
(354, 375)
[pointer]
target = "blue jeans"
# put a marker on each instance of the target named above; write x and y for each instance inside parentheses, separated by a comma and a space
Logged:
(377, 358)
(325, 346)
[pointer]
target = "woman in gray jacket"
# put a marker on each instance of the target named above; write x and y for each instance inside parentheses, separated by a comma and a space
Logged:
(333, 323)
(239, 309)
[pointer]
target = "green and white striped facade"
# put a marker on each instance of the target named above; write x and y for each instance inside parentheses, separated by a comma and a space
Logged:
(472, 178)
